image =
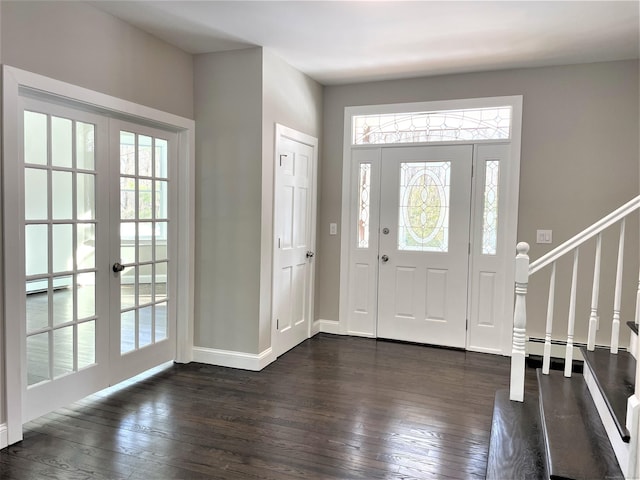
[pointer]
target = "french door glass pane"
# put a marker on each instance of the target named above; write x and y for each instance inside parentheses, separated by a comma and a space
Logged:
(37, 305)
(128, 331)
(86, 344)
(85, 146)
(86, 293)
(86, 196)
(35, 194)
(61, 142)
(35, 138)
(63, 247)
(62, 351)
(62, 300)
(145, 156)
(86, 246)
(38, 358)
(36, 249)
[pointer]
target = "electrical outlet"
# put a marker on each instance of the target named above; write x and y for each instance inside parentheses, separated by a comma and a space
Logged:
(333, 229)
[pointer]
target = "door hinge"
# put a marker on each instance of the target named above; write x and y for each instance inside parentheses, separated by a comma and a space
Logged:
(281, 158)
(278, 242)
(469, 248)
(277, 324)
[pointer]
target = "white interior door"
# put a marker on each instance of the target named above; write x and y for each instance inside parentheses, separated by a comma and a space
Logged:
(64, 256)
(294, 222)
(143, 241)
(425, 205)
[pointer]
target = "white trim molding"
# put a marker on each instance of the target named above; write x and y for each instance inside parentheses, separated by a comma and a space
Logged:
(326, 326)
(4, 437)
(233, 359)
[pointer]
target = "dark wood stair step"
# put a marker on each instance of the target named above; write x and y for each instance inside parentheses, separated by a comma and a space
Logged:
(633, 326)
(615, 377)
(576, 442)
(515, 450)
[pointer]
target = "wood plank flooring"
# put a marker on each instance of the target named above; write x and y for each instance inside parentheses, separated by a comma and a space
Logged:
(332, 408)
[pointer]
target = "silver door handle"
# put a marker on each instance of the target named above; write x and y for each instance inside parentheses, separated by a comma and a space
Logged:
(117, 267)
(384, 258)
(310, 254)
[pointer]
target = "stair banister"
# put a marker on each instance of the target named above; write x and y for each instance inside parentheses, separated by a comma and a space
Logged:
(585, 235)
(518, 352)
(595, 292)
(615, 326)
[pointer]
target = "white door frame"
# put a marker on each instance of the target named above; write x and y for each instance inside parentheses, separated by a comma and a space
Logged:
(512, 179)
(285, 132)
(18, 82)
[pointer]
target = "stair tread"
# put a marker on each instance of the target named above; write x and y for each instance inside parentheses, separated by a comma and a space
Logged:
(576, 441)
(515, 449)
(615, 377)
(633, 326)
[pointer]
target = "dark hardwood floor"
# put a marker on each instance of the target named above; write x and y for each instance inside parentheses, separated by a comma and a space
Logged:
(332, 408)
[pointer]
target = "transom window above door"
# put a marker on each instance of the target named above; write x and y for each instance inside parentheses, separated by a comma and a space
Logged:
(460, 125)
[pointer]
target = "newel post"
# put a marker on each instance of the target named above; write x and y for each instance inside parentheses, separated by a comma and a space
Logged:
(519, 323)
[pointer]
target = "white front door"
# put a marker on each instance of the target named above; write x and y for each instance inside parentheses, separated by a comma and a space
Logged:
(97, 210)
(294, 222)
(425, 205)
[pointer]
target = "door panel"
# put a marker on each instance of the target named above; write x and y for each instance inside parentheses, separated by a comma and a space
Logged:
(66, 324)
(143, 242)
(425, 212)
(293, 256)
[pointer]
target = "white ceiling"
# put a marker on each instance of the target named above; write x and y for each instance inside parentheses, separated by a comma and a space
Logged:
(351, 41)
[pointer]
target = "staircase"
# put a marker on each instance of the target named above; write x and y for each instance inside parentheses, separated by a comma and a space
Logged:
(570, 425)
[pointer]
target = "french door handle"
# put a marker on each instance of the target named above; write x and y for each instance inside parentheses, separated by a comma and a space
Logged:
(384, 258)
(118, 267)
(310, 254)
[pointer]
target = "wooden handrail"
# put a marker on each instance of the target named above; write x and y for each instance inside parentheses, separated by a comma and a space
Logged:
(585, 235)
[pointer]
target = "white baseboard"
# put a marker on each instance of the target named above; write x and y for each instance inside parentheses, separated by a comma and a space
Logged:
(633, 344)
(326, 326)
(4, 437)
(229, 358)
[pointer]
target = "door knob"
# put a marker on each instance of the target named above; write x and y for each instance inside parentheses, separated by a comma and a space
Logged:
(310, 254)
(384, 258)
(118, 267)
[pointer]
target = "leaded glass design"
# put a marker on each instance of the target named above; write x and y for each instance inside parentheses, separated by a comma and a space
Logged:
(492, 123)
(490, 213)
(423, 217)
(364, 205)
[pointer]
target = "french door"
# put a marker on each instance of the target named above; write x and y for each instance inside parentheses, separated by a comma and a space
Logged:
(97, 210)
(424, 244)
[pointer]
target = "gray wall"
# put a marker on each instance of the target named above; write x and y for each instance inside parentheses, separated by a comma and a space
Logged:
(228, 112)
(240, 95)
(579, 161)
(79, 44)
(294, 100)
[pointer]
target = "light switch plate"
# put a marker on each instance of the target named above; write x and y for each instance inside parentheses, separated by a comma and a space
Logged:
(544, 236)
(333, 229)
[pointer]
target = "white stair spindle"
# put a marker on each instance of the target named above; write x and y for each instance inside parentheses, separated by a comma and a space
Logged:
(615, 326)
(546, 358)
(572, 316)
(595, 292)
(519, 323)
